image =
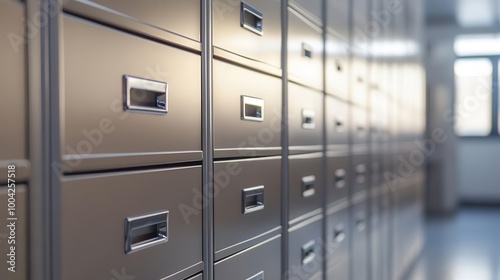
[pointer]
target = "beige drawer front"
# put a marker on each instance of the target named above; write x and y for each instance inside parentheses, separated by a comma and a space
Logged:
(117, 88)
(117, 221)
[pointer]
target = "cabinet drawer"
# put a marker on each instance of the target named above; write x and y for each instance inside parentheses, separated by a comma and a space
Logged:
(359, 126)
(16, 232)
(306, 250)
(181, 17)
(313, 8)
(338, 235)
(247, 112)
(338, 17)
(137, 220)
(305, 51)
(305, 185)
(359, 172)
(337, 68)
(337, 124)
(127, 101)
(255, 263)
(338, 183)
(247, 203)
(305, 110)
(250, 29)
(359, 80)
(359, 225)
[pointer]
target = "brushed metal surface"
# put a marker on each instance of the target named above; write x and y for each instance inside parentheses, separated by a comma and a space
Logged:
(338, 186)
(305, 51)
(176, 16)
(20, 232)
(359, 126)
(359, 77)
(197, 277)
(338, 17)
(313, 8)
(312, 233)
(234, 137)
(95, 126)
(93, 213)
(337, 122)
(337, 66)
(359, 229)
(338, 251)
(359, 173)
(264, 257)
(232, 226)
(13, 85)
(301, 99)
(299, 167)
(230, 35)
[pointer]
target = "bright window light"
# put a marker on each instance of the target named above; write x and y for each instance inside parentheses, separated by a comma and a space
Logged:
(477, 45)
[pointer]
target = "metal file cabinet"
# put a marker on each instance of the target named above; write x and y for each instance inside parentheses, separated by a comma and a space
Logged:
(359, 76)
(247, 203)
(338, 17)
(359, 172)
(337, 168)
(260, 262)
(359, 125)
(141, 221)
(305, 189)
(313, 8)
(16, 236)
(337, 124)
(13, 89)
(305, 50)
(247, 112)
(305, 252)
(141, 108)
(338, 238)
(337, 66)
(359, 230)
(180, 17)
(305, 119)
(249, 29)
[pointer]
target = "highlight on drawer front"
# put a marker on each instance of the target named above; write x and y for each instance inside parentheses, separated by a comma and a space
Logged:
(145, 95)
(258, 276)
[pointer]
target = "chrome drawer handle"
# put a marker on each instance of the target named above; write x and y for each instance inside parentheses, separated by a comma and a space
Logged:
(252, 109)
(308, 186)
(145, 231)
(253, 199)
(308, 119)
(252, 19)
(308, 252)
(145, 95)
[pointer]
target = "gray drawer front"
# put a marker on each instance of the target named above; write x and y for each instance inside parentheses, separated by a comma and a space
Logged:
(180, 17)
(305, 251)
(237, 217)
(313, 8)
(359, 172)
(337, 68)
(98, 133)
(359, 126)
(305, 184)
(337, 122)
(338, 17)
(20, 232)
(235, 136)
(197, 277)
(13, 115)
(338, 177)
(305, 51)
(338, 235)
(264, 258)
(94, 210)
(305, 111)
(230, 34)
(359, 225)
(359, 80)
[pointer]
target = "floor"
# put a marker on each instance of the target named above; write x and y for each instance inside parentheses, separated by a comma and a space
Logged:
(463, 247)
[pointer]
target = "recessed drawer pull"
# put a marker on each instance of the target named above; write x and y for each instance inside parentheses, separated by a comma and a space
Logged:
(307, 50)
(308, 186)
(361, 225)
(340, 178)
(252, 19)
(252, 109)
(258, 276)
(339, 125)
(145, 95)
(308, 252)
(145, 231)
(339, 235)
(253, 199)
(308, 119)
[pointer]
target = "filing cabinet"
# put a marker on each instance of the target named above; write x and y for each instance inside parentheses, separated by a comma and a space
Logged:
(247, 203)
(305, 51)
(247, 112)
(359, 126)
(337, 68)
(338, 17)
(259, 262)
(125, 113)
(337, 166)
(13, 88)
(14, 235)
(148, 222)
(359, 87)
(306, 185)
(250, 29)
(305, 251)
(359, 173)
(337, 124)
(359, 229)
(313, 8)
(338, 238)
(305, 119)
(180, 17)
